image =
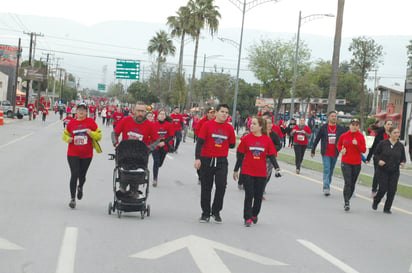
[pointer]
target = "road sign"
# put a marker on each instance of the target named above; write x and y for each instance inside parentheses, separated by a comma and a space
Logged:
(203, 253)
(128, 69)
(101, 87)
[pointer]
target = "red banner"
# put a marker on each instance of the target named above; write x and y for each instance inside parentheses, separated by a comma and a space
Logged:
(8, 55)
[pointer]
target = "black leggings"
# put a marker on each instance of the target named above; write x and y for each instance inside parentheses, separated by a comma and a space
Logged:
(78, 168)
(158, 159)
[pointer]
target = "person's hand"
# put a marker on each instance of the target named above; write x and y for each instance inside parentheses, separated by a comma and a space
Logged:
(70, 139)
(343, 151)
(277, 173)
(355, 142)
(366, 162)
(403, 164)
(312, 155)
(381, 163)
(197, 164)
(115, 144)
(235, 176)
(161, 144)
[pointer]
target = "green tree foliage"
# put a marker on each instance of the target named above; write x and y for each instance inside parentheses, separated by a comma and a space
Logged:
(367, 55)
(139, 91)
(115, 90)
(272, 63)
(409, 47)
(306, 88)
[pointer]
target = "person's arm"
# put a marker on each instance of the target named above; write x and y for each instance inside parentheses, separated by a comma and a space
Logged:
(239, 160)
(199, 145)
(316, 141)
(96, 135)
(276, 141)
(67, 137)
(274, 162)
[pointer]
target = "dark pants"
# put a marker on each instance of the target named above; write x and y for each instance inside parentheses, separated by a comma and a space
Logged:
(78, 169)
(159, 156)
(388, 183)
(350, 175)
(375, 177)
(299, 154)
(178, 139)
(212, 169)
(254, 187)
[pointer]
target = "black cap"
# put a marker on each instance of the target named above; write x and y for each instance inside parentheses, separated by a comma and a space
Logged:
(82, 105)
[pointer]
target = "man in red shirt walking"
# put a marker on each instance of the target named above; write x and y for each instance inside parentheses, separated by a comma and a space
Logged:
(178, 124)
(212, 148)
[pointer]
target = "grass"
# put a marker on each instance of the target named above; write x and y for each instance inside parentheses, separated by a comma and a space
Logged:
(364, 179)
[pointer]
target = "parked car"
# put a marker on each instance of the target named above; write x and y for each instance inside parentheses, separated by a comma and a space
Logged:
(7, 108)
(23, 110)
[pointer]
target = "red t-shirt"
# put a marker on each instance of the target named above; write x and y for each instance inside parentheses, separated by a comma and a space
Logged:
(130, 129)
(256, 149)
(353, 152)
(45, 111)
(331, 146)
(186, 119)
(81, 145)
(31, 107)
(300, 136)
(117, 117)
(164, 130)
(200, 125)
(277, 130)
(177, 121)
(217, 137)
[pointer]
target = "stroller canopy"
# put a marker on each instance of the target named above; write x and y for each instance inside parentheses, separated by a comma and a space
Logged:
(132, 154)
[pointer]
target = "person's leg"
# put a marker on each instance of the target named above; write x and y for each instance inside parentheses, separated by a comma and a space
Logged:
(347, 177)
(355, 174)
(249, 193)
(383, 179)
(184, 133)
(326, 171)
(206, 182)
(162, 156)
(333, 160)
(302, 154)
(392, 187)
(84, 166)
(178, 135)
(220, 184)
(297, 150)
(74, 165)
(156, 163)
(375, 178)
(258, 185)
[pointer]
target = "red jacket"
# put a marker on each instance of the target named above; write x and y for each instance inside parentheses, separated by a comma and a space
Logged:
(353, 152)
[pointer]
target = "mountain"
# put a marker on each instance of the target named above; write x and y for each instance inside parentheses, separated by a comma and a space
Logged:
(90, 52)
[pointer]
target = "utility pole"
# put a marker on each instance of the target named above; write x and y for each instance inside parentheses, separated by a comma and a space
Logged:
(54, 78)
(31, 61)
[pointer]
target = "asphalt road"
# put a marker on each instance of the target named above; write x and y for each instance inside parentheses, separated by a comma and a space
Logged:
(299, 230)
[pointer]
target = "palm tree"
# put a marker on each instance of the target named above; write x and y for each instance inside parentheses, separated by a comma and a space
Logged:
(163, 45)
(203, 15)
(180, 26)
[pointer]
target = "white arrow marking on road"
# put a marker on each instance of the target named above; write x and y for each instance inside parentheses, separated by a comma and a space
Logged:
(7, 245)
(67, 251)
(203, 253)
(410, 268)
(338, 263)
(14, 141)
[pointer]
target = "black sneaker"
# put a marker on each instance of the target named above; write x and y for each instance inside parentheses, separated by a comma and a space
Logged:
(387, 211)
(254, 219)
(346, 207)
(72, 203)
(374, 205)
(79, 193)
(216, 217)
(204, 218)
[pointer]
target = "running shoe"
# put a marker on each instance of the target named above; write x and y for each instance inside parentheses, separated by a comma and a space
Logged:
(326, 192)
(72, 203)
(155, 183)
(297, 171)
(79, 193)
(204, 218)
(216, 217)
(254, 219)
(248, 222)
(387, 211)
(374, 205)
(346, 207)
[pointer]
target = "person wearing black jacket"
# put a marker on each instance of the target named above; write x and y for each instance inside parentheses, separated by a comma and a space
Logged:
(390, 154)
(381, 134)
(328, 136)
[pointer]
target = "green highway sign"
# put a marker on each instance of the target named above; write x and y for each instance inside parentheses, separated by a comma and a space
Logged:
(128, 69)
(101, 87)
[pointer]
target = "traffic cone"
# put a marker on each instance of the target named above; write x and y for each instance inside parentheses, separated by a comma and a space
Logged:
(1, 118)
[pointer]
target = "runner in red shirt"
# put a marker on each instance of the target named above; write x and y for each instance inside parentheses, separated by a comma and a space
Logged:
(117, 116)
(252, 153)
(186, 120)
(210, 115)
(31, 108)
(45, 112)
(178, 125)
(165, 131)
(215, 139)
(92, 111)
(301, 134)
(79, 134)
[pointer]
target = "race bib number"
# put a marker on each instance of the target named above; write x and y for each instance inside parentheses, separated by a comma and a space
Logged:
(332, 140)
(133, 135)
(80, 140)
(300, 137)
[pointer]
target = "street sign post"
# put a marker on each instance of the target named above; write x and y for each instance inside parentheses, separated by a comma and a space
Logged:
(101, 87)
(128, 69)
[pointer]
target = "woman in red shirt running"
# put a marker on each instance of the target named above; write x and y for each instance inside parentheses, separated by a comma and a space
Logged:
(79, 135)
(252, 153)
(351, 145)
(301, 134)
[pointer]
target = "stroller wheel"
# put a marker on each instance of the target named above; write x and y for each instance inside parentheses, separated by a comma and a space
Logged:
(142, 214)
(119, 213)
(148, 210)
(110, 207)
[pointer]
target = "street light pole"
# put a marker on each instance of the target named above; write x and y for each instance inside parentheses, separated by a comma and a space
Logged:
(295, 63)
(250, 5)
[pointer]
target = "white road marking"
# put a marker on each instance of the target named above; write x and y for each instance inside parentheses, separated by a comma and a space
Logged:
(170, 157)
(203, 253)
(410, 268)
(336, 262)
(67, 255)
(7, 245)
(16, 140)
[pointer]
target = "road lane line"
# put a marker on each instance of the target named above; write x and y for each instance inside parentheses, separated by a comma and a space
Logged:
(410, 268)
(16, 140)
(170, 157)
(67, 255)
(336, 262)
(340, 189)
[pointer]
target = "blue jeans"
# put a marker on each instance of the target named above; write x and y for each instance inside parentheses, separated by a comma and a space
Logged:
(329, 163)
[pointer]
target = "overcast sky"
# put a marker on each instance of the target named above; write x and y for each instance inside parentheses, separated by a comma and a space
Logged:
(361, 17)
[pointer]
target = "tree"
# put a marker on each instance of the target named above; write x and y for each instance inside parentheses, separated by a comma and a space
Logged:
(307, 88)
(409, 47)
(367, 55)
(180, 26)
(163, 46)
(203, 14)
(115, 90)
(139, 91)
(272, 63)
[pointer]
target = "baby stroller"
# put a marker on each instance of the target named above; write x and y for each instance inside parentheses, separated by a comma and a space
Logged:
(130, 172)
